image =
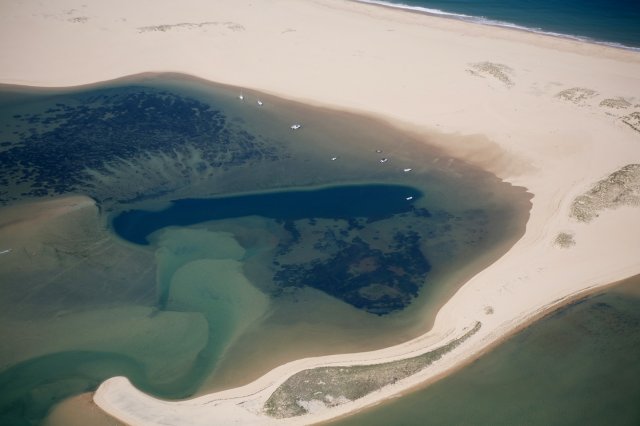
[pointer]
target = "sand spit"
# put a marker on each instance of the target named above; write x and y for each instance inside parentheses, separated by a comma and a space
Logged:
(332, 386)
(549, 110)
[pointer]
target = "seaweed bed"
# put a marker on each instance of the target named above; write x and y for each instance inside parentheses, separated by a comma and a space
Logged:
(93, 134)
(381, 275)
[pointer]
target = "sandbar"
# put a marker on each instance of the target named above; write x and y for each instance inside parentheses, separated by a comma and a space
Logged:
(557, 116)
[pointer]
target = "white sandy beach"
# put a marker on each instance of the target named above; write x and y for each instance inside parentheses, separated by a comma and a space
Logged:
(550, 114)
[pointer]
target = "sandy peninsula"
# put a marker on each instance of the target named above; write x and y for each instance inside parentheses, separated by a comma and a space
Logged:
(557, 116)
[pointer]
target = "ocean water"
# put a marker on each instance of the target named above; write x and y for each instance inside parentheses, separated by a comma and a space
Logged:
(578, 366)
(246, 243)
(615, 22)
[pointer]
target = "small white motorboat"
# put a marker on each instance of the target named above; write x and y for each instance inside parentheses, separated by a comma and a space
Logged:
(259, 102)
(407, 170)
(384, 160)
(334, 158)
(241, 96)
(296, 126)
(409, 198)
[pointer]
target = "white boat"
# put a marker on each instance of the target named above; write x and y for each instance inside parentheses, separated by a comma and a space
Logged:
(259, 102)
(5, 251)
(241, 96)
(334, 158)
(409, 198)
(384, 160)
(407, 170)
(296, 126)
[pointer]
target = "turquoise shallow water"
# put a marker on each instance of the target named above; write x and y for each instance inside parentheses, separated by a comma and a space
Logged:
(215, 302)
(578, 366)
(615, 22)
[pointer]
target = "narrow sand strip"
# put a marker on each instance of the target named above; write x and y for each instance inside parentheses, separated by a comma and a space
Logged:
(544, 107)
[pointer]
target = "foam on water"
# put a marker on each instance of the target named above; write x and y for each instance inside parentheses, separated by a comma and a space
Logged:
(486, 20)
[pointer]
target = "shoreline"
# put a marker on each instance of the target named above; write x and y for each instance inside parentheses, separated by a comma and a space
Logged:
(463, 79)
(479, 20)
(124, 391)
(548, 311)
(618, 287)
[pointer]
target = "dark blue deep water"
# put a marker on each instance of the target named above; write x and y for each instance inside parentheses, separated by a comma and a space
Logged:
(614, 22)
(373, 202)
